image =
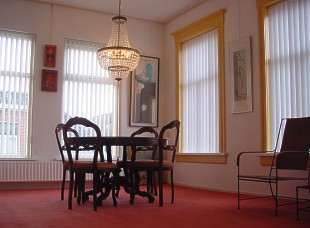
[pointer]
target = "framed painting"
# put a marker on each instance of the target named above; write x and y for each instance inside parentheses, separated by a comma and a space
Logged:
(49, 80)
(241, 76)
(144, 93)
(50, 55)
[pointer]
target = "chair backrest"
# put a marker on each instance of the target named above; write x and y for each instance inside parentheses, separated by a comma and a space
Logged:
(172, 143)
(296, 136)
(294, 151)
(80, 144)
(143, 131)
(60, 142)
(293, 160)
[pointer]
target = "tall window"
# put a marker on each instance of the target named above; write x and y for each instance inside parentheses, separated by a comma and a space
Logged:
(16, 77)
(287, 63)
(201, 85)
(88, 91)
(200, 106)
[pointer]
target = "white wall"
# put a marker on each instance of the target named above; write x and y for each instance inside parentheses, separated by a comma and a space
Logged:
(73, 23)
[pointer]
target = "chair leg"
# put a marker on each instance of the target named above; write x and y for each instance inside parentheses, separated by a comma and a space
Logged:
(276, 209)
(70, 190)
(132, 187)
(62, 192)
(154, 184)
(172, 186)
(114, 186)
(96, 179)
(238, 193)
(160, 186)
(75, 188)
(80, 184)
(149, 182)
(117, 184)
(297, 206)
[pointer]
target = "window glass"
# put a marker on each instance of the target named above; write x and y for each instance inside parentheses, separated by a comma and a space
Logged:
(287, 64)
(200, 85)
(16, 77)
(88, 90)
(200, 122)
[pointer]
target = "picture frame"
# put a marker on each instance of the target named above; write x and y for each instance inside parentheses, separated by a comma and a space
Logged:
(144, 98)
(241, 76)
(50, 55)
(49, 80)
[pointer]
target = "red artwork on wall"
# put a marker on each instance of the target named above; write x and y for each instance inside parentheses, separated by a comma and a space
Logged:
(50, 55)
(49, 80)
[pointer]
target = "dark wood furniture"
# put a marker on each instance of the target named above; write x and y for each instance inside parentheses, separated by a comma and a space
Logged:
(102, 168)
(159, 165)
(124, 141)
(151, 181)
(294, 133)
(65, 162)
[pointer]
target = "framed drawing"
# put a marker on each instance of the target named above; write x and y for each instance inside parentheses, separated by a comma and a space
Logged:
(144, 93)
(49, 80)
(50, 55)
(241, 76)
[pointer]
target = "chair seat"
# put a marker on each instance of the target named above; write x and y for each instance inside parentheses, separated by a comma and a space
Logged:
(107, 166)
(146, 165)
(88, 166)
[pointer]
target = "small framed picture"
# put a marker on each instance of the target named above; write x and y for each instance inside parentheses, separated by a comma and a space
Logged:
(50, 55)
(241, 76)
(49, 80)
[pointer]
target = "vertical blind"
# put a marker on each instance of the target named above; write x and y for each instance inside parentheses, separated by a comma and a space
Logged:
(88, 91)
(16, 76)
(200, 108)
(288, 37)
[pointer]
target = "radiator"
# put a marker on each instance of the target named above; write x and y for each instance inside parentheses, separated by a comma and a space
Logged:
(27, 171)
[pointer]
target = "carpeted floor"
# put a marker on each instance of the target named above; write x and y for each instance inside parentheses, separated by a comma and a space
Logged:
(192, 208)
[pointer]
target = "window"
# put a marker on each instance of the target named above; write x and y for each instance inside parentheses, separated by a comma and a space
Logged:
(200, 84)
(285, 37)
(88, 90)
(16, 78)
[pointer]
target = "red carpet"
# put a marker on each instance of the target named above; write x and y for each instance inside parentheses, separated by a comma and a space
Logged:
(192, 208)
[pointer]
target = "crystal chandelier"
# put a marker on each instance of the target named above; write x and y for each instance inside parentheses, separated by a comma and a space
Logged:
(118, 57)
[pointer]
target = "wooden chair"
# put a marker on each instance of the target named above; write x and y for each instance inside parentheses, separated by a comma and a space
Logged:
(287, 162)
(80, 168)
(65, 162)
(151, 181)
(159, 165)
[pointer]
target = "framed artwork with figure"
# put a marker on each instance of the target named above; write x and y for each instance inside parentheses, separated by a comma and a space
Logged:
(144, 93)
(241, 76)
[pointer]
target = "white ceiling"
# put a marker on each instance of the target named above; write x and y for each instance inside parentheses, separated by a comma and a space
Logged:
(153, 10)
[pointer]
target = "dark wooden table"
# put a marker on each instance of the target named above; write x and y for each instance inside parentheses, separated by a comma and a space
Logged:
(123, 141)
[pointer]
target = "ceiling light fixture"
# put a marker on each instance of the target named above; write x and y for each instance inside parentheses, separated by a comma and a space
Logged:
(118, 57)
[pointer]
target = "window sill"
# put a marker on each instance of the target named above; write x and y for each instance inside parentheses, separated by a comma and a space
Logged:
(266, 159)
(219, 158)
